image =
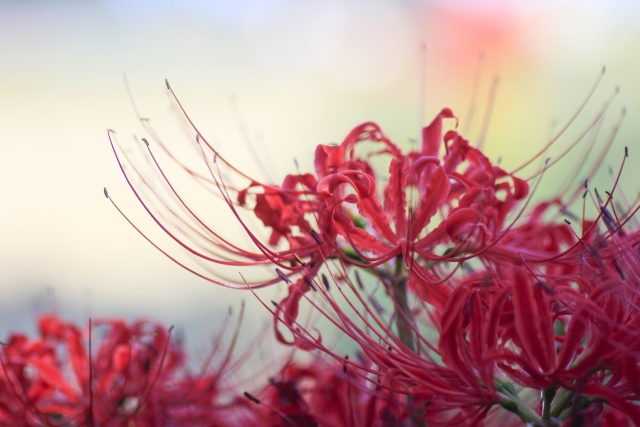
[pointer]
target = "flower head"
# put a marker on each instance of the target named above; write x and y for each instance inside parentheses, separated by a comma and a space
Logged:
(480, 304)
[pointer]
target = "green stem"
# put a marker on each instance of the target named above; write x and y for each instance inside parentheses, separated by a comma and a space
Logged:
(560, 402)
(403, 313)
(518, 407)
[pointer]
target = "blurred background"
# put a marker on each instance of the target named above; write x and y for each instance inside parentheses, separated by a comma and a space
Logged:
(298, 73)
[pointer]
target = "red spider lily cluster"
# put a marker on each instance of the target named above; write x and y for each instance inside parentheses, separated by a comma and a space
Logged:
(133, 378)
(468, 301)
(137, 377)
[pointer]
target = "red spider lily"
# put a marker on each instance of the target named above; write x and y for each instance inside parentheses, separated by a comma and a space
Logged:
(317, 395)
(480, 310)
(135, 378)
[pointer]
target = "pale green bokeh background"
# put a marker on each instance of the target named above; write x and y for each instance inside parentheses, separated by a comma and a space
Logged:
(302, 72)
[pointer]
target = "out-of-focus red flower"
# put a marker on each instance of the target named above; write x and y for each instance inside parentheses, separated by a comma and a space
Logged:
(135, 377)
(323, 395)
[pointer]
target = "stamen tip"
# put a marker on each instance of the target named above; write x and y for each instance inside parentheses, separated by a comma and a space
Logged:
(316, 237)
(626, 151)
(145, 141)
(167, 82)
(325, 281)
(309, 282)
(111, 131)
(283, 276)
(106, 193)
(251, 398)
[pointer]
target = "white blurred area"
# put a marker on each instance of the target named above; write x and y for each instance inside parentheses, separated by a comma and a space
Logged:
(301, 73)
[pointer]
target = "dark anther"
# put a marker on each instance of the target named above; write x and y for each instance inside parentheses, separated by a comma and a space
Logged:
(106, 193)
(145, 141)
(609, 220)
(251, 398)
(359, 281)
(283, 276)
(325, 281)
(567, 221)
(586, 183)
(616, 264)
(309, 282)
(316, 237)
(626, 151)
(167, 82)
(275, 304)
